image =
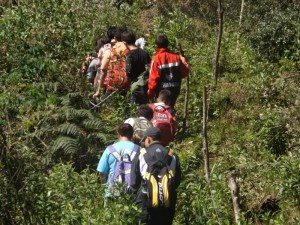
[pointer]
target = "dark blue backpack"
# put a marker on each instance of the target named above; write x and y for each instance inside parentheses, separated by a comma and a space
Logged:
(123, 167)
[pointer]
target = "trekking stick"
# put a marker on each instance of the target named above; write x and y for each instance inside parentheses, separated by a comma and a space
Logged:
(103, 100)
(205, 140)
(187, 90)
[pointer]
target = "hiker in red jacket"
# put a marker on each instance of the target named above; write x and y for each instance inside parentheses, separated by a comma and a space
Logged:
(167, 70)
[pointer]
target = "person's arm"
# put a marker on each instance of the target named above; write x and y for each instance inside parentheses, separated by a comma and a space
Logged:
(103, 72)
(135, 175)
(153, 80)
(184, 67)
(103, 166)
(103, 177)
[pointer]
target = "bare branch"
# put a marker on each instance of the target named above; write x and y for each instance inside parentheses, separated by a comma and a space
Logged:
(234, 189)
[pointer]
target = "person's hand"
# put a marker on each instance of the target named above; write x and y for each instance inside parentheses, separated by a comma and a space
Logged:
(96, 94)
(184, 61)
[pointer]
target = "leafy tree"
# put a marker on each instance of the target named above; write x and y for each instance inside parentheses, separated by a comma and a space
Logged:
(275, 34)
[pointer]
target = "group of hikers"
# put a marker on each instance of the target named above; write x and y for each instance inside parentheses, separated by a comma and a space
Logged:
(141, 163)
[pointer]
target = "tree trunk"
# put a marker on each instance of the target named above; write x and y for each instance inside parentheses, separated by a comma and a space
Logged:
(241, 20)
(205, 141)
(215, 62)
(186, 102)
(234, 189)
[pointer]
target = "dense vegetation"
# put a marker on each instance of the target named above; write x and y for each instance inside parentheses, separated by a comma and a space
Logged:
(51, 138)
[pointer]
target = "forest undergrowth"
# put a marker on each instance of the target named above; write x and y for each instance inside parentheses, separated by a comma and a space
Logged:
(51, 137)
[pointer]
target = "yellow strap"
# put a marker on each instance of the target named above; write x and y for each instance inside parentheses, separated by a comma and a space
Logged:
(171, 174)
(165, 190)
(171, 152)
(154, 189)
(143, 151)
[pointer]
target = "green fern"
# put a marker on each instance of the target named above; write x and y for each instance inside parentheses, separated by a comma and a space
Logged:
(72, 114)
(69, 129)
(69, 146)
(93, 124)
(53, 86)
(99, 136)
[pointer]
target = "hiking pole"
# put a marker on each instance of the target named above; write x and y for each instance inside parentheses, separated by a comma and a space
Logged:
(187, 90)
(103, 100)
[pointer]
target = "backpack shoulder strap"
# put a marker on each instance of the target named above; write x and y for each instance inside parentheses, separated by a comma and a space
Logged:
(136, 148)
(149, 160)
(169, 156)
(122, 53)
(134, 151)
(151, 105)
(125, 51)
(136, 121)
(113, 51)
(146, 156)
(161, 107)
(114, 152)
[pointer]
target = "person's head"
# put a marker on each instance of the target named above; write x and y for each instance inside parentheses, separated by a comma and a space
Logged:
(125, 130)
(145, 111)
(118, 34)
(164, 96)
(152, 134)
(101, 42)
(162, 41)
(110, 34)
(128, 37)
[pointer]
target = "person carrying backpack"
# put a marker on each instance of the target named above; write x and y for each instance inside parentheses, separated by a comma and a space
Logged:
(155, 175)
(164, 116)
(141, 123)
(137, 64)
(115, 163)
(112, 69)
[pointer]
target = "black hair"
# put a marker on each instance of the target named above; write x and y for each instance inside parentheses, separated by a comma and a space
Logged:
(128, 37)
(145, 111)
(110, 34)
(118, 33)
(156, 138)
(125, 130)
(165, 96)
(162, 41)
(101, 42)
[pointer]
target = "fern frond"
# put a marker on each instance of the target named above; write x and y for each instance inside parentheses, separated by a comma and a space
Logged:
(68, 145)
(41, 131)
(52, 86)
(71, 113)
(65, 101)
(74, 95)
(93, 123)
(69, 129)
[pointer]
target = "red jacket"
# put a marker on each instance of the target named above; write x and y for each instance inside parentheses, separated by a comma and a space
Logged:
(167, 70)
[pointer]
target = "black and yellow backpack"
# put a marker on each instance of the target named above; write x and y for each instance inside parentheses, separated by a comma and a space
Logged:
(159, 181)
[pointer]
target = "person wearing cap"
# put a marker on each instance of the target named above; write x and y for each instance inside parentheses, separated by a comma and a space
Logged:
(156, 151)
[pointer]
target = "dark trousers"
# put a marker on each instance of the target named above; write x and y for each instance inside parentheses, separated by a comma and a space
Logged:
(139, 96)
(156, 216)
